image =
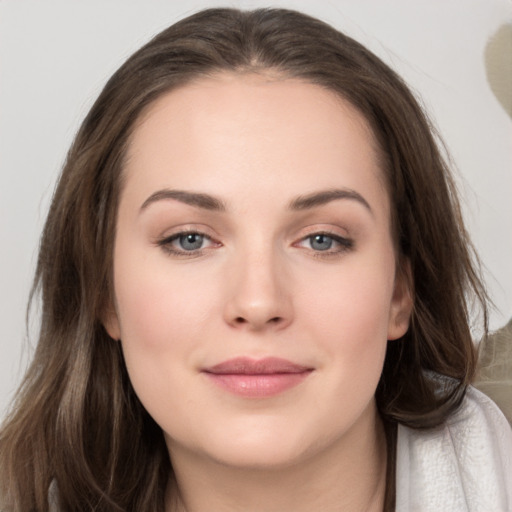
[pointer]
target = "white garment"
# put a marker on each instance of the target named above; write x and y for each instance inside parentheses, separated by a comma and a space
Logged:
(463, 466)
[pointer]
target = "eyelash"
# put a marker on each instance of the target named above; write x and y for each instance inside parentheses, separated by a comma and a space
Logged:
(344, 244)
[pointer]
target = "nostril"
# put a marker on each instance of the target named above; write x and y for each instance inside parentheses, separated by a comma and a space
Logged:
(241, 320)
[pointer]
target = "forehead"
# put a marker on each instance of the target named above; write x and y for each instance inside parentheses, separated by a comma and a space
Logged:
(262, 128)
(250, 95)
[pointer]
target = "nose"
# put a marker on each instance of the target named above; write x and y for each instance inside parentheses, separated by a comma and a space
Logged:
(259, 294)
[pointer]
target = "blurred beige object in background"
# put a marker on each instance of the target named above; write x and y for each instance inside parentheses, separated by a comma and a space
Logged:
(494, 376)
(498, 65)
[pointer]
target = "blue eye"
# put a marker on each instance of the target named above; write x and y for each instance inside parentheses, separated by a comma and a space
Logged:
(321, 242)
(326, 243)
(190, 241)
(186, 243)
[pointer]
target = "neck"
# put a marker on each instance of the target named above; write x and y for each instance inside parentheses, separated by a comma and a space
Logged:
(349, 475)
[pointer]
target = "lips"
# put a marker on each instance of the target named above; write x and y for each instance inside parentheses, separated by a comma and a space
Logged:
(257, 378)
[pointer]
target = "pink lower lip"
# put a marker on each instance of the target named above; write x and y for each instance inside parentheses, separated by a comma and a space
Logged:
(257, 385)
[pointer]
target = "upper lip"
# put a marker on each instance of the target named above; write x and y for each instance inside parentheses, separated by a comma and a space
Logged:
(249, 366)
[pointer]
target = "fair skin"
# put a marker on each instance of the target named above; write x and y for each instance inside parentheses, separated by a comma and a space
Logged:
(289, 255)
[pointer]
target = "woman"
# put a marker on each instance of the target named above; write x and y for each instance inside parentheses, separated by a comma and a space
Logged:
(254, 277)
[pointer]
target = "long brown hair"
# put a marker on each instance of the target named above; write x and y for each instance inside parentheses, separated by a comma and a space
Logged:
(76, 423)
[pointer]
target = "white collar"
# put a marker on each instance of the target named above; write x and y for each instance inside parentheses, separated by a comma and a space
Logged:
(465, 465)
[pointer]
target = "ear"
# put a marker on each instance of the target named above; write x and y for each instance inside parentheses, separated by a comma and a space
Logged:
(401, 302)
(110, 321)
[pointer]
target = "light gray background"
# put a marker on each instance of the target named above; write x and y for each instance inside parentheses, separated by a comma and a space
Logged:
(56, 55)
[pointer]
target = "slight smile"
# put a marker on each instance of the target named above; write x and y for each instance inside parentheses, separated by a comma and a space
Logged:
(259, 378)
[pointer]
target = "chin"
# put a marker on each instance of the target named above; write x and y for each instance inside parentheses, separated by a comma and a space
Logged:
(264, 444)
(262, 455)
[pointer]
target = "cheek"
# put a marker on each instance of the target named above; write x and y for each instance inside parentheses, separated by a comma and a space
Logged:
(161, 309)
(349, 313)
(163, 318)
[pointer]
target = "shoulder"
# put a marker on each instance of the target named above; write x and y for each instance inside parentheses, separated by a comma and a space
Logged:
(463, 466)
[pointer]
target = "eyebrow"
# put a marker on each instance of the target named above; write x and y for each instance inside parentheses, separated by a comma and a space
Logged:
(204, 201)
(323, 197)
(209, 202)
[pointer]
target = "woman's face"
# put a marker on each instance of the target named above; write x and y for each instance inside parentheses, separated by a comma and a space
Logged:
(254, 270)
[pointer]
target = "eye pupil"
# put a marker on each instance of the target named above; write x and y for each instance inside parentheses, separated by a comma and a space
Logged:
(191, 241)
(321, 242)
